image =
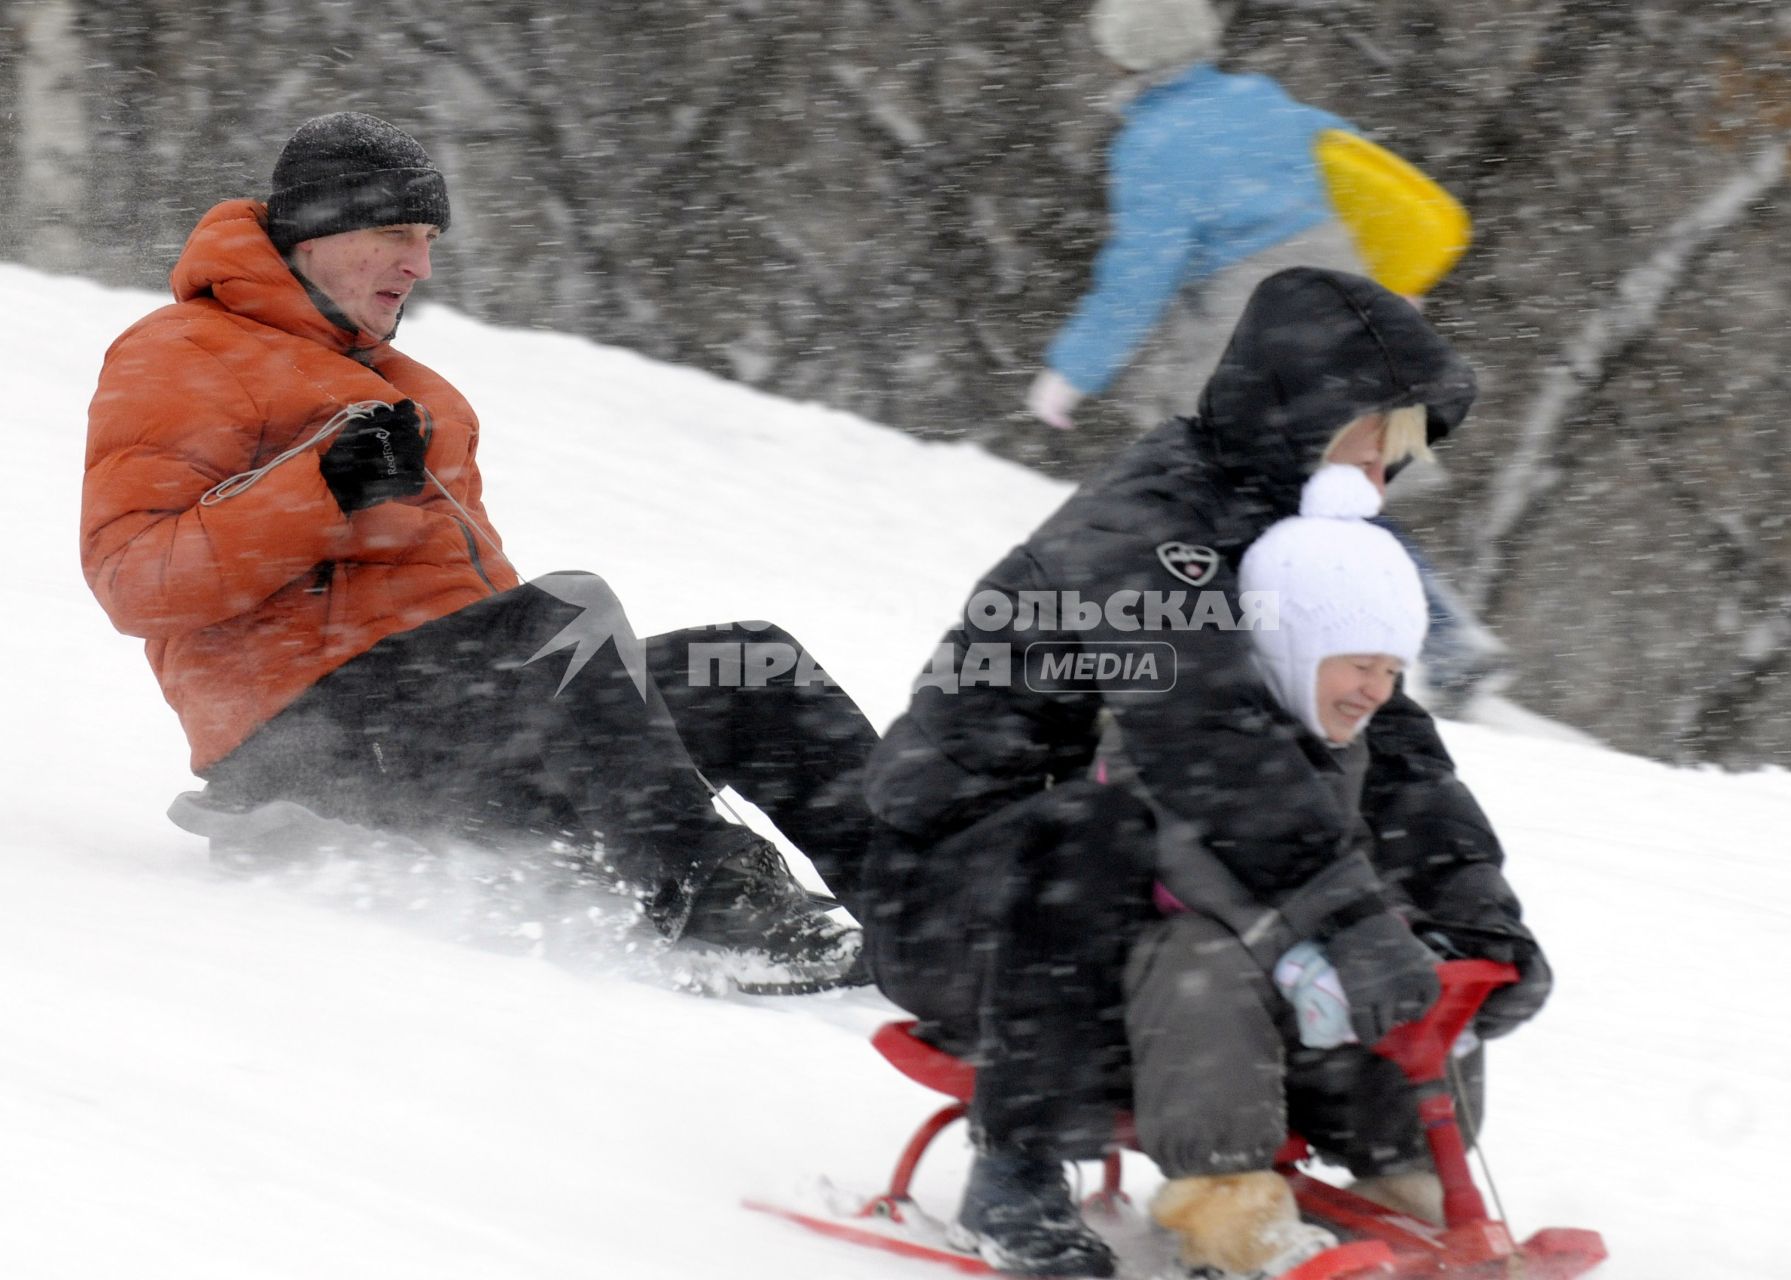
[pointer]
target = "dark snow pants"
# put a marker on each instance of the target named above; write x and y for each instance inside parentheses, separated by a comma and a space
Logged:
(539, 712)
(1219, 1074)
(1008, 939)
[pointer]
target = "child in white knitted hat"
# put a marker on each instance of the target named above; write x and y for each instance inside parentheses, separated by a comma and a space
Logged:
(1224, 1056)
(1349, 604)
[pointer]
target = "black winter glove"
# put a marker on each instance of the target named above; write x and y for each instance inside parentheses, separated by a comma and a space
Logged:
(1475, 915)
(1388, 975)
(376, 458)
(1510, 1007)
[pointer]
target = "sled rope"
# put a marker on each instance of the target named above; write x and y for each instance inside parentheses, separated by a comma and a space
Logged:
(467, 518)
(735, 814)
(715, 791)
(246, 480)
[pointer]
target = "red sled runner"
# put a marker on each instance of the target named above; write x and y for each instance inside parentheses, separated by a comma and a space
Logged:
(1376, 1241)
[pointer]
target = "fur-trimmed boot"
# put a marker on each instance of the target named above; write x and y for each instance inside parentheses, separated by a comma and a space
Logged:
(1238, 1224)
(1418, 1194)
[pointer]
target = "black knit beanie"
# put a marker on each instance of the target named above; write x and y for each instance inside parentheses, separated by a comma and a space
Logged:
(346, 171)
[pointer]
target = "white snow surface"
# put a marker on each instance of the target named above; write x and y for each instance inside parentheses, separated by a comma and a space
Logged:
(204, 1077)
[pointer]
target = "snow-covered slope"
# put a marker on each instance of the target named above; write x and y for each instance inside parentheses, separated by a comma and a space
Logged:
(207, 1078)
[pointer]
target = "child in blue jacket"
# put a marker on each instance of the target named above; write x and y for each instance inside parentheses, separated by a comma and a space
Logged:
(1212, 186)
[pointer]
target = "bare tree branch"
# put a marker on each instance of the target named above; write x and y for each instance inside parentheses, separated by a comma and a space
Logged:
(1529, 474)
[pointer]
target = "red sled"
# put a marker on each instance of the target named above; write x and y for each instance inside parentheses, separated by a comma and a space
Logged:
(1375, 1241)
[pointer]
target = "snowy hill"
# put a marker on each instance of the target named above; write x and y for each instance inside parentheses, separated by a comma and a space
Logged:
(208, 1078)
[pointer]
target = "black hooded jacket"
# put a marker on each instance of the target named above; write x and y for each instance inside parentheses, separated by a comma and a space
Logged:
(1214, 754)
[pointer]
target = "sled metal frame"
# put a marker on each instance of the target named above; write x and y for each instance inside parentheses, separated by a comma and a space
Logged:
(1379, 1241)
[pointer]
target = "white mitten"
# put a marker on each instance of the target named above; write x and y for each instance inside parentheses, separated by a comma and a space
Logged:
(1309, 980)
(1051, 399)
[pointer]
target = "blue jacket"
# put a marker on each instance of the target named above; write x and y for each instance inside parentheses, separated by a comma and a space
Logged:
(1207, 170)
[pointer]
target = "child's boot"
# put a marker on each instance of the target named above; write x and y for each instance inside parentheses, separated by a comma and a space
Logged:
(1242, 1225)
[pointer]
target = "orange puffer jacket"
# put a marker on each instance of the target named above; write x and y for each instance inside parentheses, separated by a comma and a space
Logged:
(247, 601)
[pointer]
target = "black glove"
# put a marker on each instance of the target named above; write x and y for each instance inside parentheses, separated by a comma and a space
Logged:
(1510, 1007)
(1475, 915)
(1388, 975)
(376, 458)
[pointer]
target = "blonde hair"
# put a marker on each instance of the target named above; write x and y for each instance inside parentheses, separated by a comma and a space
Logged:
(1405, 433)
(1408, 435)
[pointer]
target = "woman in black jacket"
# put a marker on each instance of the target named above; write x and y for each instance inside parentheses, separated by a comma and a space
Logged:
(1007, 882)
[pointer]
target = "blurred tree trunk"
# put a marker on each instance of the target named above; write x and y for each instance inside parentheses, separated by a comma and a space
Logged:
(46, 154)
(889, 206)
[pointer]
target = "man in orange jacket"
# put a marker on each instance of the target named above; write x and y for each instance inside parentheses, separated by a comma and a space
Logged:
(287, 509)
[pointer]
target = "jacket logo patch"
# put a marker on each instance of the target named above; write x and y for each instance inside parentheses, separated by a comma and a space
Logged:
(1193, 565)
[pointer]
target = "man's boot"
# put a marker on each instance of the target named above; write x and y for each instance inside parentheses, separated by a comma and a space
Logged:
(751, 905)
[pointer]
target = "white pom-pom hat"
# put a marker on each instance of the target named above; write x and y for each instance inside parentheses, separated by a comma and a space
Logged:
(1147, 35)
(1341, 586)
